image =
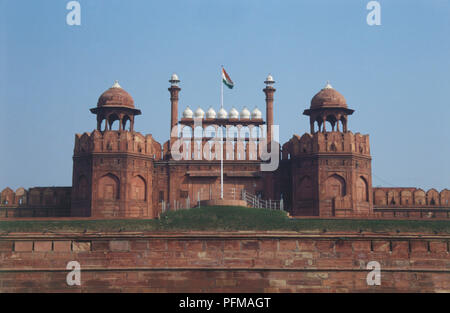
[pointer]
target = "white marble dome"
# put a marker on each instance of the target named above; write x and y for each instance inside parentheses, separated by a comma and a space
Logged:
(269, 79)
(187, 113)
(199, 113)
(256, 114)
(174, 77)
(211, 113)
(234, 113)
(222, 113)
(245, 114)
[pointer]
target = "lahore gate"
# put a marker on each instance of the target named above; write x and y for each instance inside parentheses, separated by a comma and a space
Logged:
(119, 172)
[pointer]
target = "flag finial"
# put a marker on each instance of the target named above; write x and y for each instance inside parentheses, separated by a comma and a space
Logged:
(116, 84)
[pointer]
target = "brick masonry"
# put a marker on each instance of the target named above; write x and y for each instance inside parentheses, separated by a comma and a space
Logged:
(224, 262)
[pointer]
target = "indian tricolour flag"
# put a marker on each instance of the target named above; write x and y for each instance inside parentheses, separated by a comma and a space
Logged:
(226, 79)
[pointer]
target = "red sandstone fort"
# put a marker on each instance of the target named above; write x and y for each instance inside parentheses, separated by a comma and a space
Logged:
(119, 172)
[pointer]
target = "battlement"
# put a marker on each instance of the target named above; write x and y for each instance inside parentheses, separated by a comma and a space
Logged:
(116, 141)
(35, 202)
(328, 142)
(410, 197)
(36, 196)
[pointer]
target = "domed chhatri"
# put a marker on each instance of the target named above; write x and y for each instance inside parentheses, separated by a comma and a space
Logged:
(115, 104)
(222, 113)
(234, 114)
(269, 80)
(211, 113)
(245, 114)
(328, 105)
(187, 113)
(115, 96)
(256, 114)
(199, 113)
(174, 80)
(328, 97)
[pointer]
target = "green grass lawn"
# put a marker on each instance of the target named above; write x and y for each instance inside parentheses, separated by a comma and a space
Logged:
(229, 219)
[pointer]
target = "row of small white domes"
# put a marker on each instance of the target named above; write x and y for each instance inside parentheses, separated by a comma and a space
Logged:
(245, 113)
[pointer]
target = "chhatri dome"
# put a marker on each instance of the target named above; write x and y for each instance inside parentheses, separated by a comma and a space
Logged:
(269, 80)
(245, 113)
(199, 113)
(187, 113)
(328, 97)
(256, 114)
(115, 96)
(211, 113)
(222, 113)
(234, 113)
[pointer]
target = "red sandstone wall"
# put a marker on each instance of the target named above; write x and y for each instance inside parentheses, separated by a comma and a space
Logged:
(411, 203)
(331, 174)
(35, 202)
(228, 262)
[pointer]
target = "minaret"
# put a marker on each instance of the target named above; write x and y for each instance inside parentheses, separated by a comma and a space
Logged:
(269, 91)
(174, 90)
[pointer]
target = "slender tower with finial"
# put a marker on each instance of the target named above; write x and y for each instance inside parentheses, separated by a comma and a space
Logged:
(269, 91)
(174, 91)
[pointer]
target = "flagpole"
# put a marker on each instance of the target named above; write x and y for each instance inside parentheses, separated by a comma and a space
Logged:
(221, 87)
(221, 139)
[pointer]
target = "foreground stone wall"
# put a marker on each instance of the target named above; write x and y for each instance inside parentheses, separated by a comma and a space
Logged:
(224, 262)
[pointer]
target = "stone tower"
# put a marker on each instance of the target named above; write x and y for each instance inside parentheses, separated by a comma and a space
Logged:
(330, 166)
(174, 91)
(113, 166)
(269, 91)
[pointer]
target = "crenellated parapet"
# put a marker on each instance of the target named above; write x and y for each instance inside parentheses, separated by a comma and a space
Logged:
(410, 202)
(329, 142)
(116, 142)
(36, 196)
(410, 197)
(35, 202)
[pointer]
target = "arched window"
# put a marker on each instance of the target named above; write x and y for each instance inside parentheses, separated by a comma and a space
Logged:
(112, 122)
(138, 188)
(362, 187)
(380, 197)
(419, 197)
(126, 121)
(186, 132)
(109, 187)
(244, 132)
(199, 132)
(335, 187)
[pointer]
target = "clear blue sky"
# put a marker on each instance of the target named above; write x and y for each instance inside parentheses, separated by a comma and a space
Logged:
(396, 76)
